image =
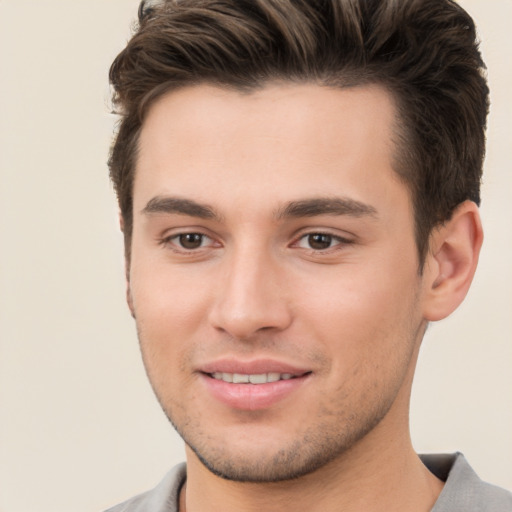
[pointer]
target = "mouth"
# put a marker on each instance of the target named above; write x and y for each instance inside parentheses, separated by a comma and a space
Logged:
(253, 386)
(253, 378)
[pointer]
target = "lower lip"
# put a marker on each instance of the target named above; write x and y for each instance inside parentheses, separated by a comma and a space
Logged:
(252, 397)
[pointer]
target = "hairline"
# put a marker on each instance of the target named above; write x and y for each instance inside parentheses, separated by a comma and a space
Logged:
(400, 133)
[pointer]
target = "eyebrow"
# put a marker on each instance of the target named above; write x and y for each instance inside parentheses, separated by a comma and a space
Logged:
(294, 209)
(180, 206)
(326, 206)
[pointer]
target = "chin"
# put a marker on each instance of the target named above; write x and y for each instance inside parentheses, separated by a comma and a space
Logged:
(266, 459)
(282, 466)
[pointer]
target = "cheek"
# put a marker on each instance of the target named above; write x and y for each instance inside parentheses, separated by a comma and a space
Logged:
(170, 312)
(166, 296)
(165, 326)
(363, 314)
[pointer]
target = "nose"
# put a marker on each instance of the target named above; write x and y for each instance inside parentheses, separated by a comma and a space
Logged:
(252, 297)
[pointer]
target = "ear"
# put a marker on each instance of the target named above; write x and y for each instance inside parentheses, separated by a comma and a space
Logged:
(129, 299)
(451, 263)
(121, 221)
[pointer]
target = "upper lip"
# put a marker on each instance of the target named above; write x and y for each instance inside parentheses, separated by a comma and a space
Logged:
(254, 367)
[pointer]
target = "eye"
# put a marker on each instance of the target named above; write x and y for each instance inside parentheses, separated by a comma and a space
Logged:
(320, 241)
(189, 241)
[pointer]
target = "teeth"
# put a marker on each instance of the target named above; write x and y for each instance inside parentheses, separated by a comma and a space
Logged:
(258, 378)
(227, 377)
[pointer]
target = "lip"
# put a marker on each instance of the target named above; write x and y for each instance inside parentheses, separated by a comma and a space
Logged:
(252, 397)
(256, 366)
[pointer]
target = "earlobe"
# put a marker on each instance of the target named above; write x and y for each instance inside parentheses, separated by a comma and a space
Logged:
(451, 262)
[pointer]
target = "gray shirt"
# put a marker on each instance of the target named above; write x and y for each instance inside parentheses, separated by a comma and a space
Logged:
(463, 490)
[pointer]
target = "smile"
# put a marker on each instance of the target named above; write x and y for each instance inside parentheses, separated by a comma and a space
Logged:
(253, 391)
(253, 378)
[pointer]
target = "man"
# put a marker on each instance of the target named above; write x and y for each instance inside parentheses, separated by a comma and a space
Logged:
(298, 184)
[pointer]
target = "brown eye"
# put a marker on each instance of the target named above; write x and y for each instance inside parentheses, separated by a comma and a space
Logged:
(319, 241)
(191, 240)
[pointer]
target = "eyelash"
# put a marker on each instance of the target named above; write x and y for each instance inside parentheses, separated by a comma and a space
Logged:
(169, 241)
(337, 242)
(175, 242)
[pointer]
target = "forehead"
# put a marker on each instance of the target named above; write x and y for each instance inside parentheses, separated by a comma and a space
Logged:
(276, 109)
(282, 139)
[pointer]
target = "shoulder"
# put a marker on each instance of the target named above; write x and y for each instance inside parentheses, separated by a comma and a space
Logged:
(463, 489)
(163, 498)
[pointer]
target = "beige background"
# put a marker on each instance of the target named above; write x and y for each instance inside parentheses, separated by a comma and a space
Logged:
(79, 426)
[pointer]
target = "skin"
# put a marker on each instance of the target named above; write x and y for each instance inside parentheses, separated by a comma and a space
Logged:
(253, 284)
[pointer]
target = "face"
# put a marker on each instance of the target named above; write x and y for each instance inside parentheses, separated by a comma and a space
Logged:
(274, 275)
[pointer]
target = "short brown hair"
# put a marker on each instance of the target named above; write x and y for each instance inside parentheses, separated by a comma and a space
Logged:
(424, 52)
